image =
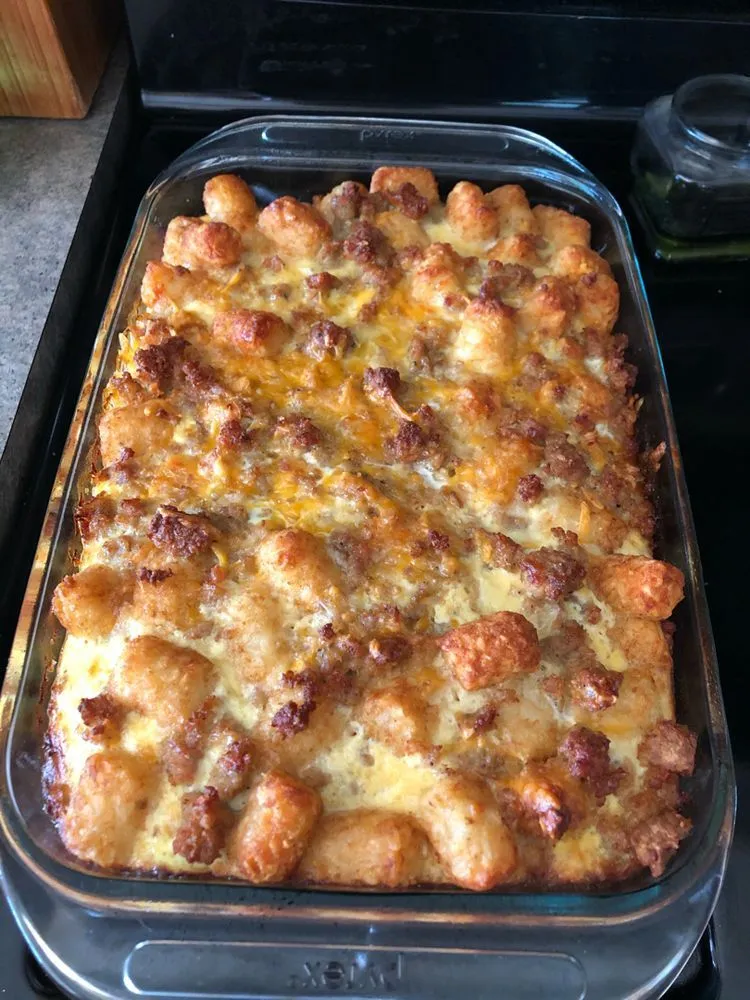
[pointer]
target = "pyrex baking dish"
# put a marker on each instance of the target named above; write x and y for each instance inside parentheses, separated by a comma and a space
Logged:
(104, 936)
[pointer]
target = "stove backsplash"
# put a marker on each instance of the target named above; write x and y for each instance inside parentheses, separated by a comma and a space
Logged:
(556, 58)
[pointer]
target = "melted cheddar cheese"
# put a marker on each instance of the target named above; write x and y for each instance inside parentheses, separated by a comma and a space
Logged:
(366, 592)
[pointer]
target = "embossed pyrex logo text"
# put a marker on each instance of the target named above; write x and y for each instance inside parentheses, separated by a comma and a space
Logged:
(364, 975)
(395, 135)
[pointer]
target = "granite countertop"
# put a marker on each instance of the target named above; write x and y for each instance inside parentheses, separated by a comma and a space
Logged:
(46, 169)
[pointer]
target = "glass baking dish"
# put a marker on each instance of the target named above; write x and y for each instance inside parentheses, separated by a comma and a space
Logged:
(181, 937)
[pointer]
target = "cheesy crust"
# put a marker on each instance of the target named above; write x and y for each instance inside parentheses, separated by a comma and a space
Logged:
(366, 594)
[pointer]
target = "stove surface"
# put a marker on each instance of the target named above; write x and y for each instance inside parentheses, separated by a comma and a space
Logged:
(699, 313)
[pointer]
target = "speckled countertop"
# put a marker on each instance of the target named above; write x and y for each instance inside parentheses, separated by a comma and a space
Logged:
(45, 173)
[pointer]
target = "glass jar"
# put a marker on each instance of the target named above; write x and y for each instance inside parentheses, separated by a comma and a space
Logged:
(691, 161)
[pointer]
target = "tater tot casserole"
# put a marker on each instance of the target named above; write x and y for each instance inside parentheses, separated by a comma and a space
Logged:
(366, 594)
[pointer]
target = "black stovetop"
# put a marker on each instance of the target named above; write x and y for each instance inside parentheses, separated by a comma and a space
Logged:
(700, 316)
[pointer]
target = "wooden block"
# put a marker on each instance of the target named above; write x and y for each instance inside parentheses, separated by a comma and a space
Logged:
(53, 53)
